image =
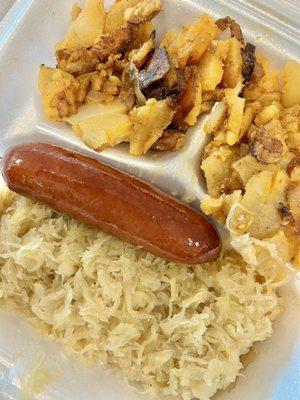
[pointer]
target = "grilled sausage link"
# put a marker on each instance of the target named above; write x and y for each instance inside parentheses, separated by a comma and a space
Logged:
(106, 198)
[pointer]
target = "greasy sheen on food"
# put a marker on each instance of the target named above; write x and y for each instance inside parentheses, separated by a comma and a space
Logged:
(108, 199)
(176, 330)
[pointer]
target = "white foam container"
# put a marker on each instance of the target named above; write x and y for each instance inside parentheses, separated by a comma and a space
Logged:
(28, 32)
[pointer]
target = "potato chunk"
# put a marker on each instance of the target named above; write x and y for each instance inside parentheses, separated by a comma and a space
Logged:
(216, 118)
(219, 208)
(267, 114)
(259, 206)
(190, 43)
(291, 82)
(149, 122)
(211, 65)
(115, 14)
(86, 28)
(101, 125)
(248, 166)
(195, 95)
(217, 168)
(236, 107)
(233, 65)
(59, 91)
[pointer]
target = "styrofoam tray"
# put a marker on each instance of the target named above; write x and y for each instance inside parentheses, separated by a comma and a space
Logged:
(28, 33)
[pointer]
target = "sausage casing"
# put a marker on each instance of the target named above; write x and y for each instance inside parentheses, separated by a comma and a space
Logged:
(106, 198)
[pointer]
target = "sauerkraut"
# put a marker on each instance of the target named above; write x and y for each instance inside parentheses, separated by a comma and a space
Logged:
(174, 329)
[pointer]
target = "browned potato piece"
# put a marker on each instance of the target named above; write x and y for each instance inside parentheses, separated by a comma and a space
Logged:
(190, 43)
(267, 114)
(218, 171)
(86, 28)
(248, 118)
(220, 207)
(191, 118)
(115, 14)
(236, 106)
(293, 198)
(82, 60)
(233, 65)
(170, 140)
(76, 10)
(191, 100)
(144, 33)
(291, 82)
(264, 192)
(211, 64)
(59, 91)
(101, 125)
(216, 118)
(149, 122)
(235, 29)
(142, 12)
(248, 166)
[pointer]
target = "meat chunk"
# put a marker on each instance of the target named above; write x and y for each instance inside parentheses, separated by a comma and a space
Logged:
(295, 162)
(235, 29)
(265, 147)
(285, 213)
(248, 62)
(156, 69)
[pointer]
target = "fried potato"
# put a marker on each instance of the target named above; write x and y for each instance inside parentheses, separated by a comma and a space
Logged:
(143, 11)
(76, 10)
(92, 109)
(293, 197)
(270, 82)
(264, 192)
(86, 28)
(211, 65)
(267, 99)
(291, 83)
(115, 14)
(220, 207)
(233, 65)
(236, 107)
(216, 118)
(190, 43)
(219, 174)
(267, 114)
(247, 120)
(144, 33)
(290, 119)
(101, 125)
(59, 91)
(171, 140)
(169, 41)
(194, 93)
(248, 166)
(190, 102)
(149, 122)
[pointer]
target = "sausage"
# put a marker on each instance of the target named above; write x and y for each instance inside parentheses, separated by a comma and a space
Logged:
(108, 199)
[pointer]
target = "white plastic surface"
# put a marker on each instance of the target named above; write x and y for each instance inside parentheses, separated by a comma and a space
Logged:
(28, 33)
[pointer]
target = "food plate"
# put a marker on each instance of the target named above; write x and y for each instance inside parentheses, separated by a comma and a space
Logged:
(27, 36)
